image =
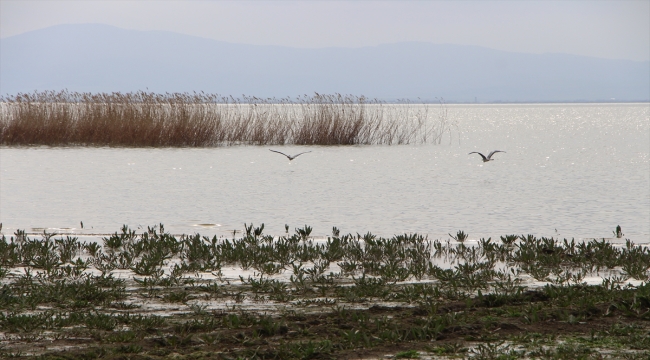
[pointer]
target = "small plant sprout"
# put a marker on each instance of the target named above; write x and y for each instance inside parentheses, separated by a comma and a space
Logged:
(305, 232)
(335, 231)
(618, 233)
(509, 239)
(460, 236)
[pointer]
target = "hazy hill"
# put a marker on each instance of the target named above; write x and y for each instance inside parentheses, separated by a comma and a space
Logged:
(102, 58)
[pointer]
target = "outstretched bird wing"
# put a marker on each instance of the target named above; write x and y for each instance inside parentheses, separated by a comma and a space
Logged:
(483, 156)
(295, 156)
(493, 152)
(281, 153)
(289, 156)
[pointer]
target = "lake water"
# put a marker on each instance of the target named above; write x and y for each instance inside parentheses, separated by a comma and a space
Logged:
(570, 170)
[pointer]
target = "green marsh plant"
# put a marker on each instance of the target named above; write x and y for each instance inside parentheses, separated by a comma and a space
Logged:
(355, 292)
(460, 236)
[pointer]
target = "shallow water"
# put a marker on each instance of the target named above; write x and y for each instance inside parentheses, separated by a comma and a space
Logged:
(568, 171)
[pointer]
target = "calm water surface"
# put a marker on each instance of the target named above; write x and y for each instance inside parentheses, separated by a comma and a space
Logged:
(569, 171)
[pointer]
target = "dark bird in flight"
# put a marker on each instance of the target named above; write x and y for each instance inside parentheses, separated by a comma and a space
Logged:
(489, 157)
(289, 156)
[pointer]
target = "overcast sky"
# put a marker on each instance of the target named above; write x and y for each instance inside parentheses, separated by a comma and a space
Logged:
(609, 29)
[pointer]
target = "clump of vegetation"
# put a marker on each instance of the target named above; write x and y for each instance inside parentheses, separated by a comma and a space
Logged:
(144, 119)
(618, 233)
(460, 236)
(153, 294)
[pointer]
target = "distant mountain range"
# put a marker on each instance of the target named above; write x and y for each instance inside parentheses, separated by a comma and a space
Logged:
(103, 58)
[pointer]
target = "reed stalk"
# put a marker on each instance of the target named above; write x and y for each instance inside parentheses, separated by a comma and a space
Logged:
(145, 119)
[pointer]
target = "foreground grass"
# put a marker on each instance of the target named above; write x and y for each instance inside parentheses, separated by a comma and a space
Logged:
(144, 119)
(153, 295)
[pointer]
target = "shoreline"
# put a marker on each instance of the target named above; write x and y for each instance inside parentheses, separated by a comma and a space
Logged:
(152, 295)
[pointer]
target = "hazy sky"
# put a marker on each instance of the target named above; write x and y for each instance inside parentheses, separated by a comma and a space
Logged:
(610, 29)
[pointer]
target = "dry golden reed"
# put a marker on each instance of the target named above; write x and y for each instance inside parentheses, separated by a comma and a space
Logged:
(144, 119)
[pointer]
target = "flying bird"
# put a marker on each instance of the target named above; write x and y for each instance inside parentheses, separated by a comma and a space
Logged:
(289, 156)
(489, 157)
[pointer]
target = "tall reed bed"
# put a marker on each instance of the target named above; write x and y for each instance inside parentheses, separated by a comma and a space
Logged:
(145, 119)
